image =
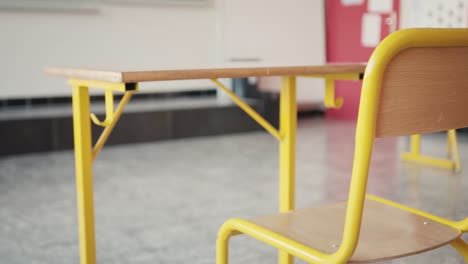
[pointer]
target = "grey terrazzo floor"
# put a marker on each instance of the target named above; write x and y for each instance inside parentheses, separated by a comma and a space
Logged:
(163, 202)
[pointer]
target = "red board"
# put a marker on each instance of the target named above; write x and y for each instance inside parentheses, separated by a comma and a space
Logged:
(343, 29)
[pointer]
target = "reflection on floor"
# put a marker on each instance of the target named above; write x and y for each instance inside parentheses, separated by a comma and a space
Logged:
(163, 202)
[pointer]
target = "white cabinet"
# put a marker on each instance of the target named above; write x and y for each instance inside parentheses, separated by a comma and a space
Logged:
(274, 33)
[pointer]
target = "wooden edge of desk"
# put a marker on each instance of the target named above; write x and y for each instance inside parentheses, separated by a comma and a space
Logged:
(191, 74)
(107, 76)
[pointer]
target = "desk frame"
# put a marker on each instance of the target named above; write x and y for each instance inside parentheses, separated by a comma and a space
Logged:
(85, 154)
(453, 157)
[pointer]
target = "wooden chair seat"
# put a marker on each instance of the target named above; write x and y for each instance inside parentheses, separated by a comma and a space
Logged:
(386, 232)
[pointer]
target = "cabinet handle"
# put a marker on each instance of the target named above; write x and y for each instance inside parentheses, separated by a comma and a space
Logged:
(245, 59)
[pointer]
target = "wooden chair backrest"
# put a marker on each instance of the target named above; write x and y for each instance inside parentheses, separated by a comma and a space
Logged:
(424, 90)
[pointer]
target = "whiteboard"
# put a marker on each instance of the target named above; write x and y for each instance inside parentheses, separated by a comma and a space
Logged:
(49, 4)
(434, 13)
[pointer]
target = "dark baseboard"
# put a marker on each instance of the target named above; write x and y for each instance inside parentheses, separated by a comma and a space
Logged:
(55, 132)
(31, 131)
(51, 101)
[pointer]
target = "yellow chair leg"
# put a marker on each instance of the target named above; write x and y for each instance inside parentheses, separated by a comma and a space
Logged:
(84, 177)
(288, 123)
(453, 143)
(461, 247)
(236, 226)
(449, 145)
(285, 258)
(222, 248)
(415, 153)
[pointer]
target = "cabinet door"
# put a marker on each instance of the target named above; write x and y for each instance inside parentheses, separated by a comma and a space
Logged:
(274, 33)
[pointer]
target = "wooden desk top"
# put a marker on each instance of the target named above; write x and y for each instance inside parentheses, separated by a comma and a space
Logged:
(190, 74)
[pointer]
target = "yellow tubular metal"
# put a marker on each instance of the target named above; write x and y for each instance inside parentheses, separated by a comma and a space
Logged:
(365, 136)
(461, 247)
(439, 219)
(249, 110)
(452, 146)
(391, 46)
(222, 246)
(330, 101)
(463, 225)
(109, 99)
(449, 145)
(84, 154)
(288, 123)
(118, 87)
(286, 245)
(368, 108)
(427, 160)
(108, 130)
(415, 144)
(453, 143)
(84, 177)
(341, 76)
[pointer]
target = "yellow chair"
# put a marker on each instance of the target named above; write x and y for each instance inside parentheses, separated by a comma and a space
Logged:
(415, 82)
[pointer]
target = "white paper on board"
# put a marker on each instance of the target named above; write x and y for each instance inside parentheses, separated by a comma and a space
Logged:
(371, 30)
(352, 2)
(380, 6)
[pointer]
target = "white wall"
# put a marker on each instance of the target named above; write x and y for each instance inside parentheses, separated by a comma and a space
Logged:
(128, 37)
(114, 37)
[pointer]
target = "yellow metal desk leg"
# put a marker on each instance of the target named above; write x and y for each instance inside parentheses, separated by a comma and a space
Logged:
(461, 247)
(84, 177)
(288, 123)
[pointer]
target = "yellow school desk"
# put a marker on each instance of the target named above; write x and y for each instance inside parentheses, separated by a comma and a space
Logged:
(127, 82)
